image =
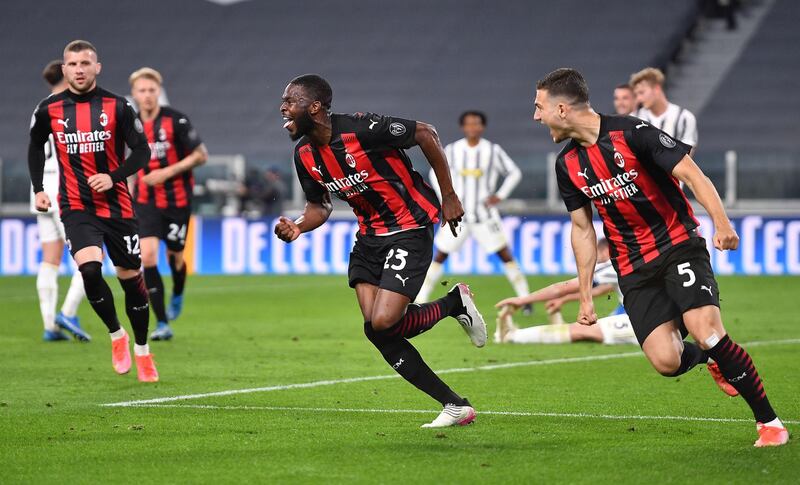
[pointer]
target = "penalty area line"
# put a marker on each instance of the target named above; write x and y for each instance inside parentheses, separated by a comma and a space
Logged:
(331, 382)
(534, 414)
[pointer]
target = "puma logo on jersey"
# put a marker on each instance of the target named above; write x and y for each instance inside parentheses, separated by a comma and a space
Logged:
(402, 280)
(706, 288)
(372, 123)
(583, 174)
(317, 169)
(641, 125)
(64, 122)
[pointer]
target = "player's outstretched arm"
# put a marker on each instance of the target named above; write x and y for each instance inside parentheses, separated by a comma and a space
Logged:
(314, 215)
(688, 172)
(556, 290)
(584, 245)
(555, 304)
(428, 140)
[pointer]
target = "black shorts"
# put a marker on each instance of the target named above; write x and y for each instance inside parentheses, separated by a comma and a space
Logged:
(665, 288)
(121, 237)
(169, 225)
(397, 262)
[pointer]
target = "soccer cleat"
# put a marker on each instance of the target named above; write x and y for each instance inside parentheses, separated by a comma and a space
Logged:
(527, 310)
(121, 354)
(452, 415)
(73, 326)
(723, 383)
(469, 317)
(146, 368)
(162, 332)
(505, 325)
(54, 336)
(771, 436)
(175, 307)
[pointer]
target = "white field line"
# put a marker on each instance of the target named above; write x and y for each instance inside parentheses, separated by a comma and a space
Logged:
(331, 382)
(430, 411)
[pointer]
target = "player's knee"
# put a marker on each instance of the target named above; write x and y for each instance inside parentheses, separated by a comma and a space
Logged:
(666, 365)
(91, 272)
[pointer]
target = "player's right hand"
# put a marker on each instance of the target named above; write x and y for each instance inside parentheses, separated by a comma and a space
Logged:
(286, 230)
(513, 302)
(452, 211)
(42, 202)
(586, 314)
(725, 237)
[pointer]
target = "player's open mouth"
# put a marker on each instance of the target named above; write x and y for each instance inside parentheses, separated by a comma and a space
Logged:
(288, 122)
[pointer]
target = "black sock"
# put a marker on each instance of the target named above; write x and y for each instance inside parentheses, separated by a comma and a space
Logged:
(452, 302)
(419, 318)
(737, 367)
(155, 289)
(136, 307)
(691, 356)
(178, 276)
(405, 359)
(99, 294)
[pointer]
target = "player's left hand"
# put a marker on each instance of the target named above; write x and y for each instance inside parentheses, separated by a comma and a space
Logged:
(452, 211)
(586, 314)
(725, 237)
(492, 200)
(513, 302)
(100, 182)
(287, 230)
(155, 177)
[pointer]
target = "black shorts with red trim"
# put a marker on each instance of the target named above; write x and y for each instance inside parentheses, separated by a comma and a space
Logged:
(120, 236)
(170, 224)
(664, 289)
(397, 262)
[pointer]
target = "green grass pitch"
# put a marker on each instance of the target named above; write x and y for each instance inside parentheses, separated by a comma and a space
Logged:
(256, 332)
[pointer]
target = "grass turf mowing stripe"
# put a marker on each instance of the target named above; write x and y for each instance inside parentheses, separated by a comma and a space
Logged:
(431, 411)
(330, 382)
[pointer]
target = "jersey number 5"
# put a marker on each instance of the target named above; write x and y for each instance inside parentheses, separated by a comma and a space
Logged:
(683, 269)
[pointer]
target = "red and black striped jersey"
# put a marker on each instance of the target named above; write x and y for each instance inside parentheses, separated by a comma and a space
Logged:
(90, 131)
(171, 138)
(627, 173)
(365, 165)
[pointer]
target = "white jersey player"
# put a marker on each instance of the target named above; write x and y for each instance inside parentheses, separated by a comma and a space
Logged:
(613, 329)
(677, 122)
(476, 167)
(52, 239)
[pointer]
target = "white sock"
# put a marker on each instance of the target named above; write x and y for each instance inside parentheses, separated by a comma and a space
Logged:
(74, 296)
(434, 274)
(516, 278)
(141, 350)
(118, 334)
(47, 286)
(775, 423)
(541, 334)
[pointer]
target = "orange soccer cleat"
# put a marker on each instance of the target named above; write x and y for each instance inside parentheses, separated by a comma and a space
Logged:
(723, 383)
(121, 354)
(146, 368)
(771, 436)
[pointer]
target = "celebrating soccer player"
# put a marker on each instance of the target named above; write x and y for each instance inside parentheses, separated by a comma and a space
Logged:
(90, 127)
(360, 158)
(163, 194)
(630, 171)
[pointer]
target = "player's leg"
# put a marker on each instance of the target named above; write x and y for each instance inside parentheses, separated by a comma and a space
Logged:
(75, 294)
(176, 241)
(47, 276)
(122, 241)
(155, 287)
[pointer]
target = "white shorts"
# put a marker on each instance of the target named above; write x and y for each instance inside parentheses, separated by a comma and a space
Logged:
(50, 227)
(489, 234)
(617, 329)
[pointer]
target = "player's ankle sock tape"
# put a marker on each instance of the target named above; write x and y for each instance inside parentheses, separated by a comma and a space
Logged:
(137, 307)
(406, 361)
(178, 276)
(418, 319)
(737, 367)
(691, 356)
(99, 294)
(155, 290)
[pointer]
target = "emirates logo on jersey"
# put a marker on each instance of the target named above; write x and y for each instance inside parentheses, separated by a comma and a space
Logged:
(350, 159)
(610, 190)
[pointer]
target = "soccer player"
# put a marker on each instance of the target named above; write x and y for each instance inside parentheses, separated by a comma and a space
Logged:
(613, 329)
(91, 127)
(360, 158)
(163, 194)
(476, 164)
(675, 121)
(630, 170)
(51, 237)
(625, 100)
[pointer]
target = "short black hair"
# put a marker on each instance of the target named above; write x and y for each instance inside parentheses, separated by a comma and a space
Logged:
(566, 82)
(472, 112)
(317, 87)
(624, 86)
(52, 72)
